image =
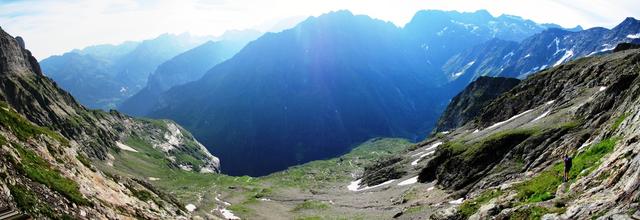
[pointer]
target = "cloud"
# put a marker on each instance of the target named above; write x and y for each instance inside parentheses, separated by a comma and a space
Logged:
(53, 27)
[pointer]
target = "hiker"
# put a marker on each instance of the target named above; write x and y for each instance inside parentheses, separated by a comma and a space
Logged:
(567, 167)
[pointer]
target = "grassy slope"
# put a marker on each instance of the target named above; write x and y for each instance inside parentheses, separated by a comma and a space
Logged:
(202, 189)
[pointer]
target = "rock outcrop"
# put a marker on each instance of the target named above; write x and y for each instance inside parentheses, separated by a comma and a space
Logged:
(507, 161)
(465, 106)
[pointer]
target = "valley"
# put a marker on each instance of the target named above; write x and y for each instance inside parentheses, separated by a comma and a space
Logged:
(455, 115)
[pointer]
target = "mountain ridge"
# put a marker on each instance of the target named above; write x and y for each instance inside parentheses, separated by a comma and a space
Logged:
(51, 145)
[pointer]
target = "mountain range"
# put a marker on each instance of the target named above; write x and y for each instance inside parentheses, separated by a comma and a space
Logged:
(498, 151)
(316, 90)
(352, 77)
(549, 48)
(103, 76)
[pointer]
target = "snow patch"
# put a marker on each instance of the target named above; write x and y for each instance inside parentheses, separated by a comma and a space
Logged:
(633, 36)
(464, 69)
(602, 88)
(550, 102)
(431, 147)
(153, 178)
(446, 132)
(585, 144)
(125, 147)
(457, 201)
(510, 54)
(567, 55)
(476, 131)
(434, 145)
(556, 41)
(227, 214)
(542, 116)
(527, 56)
(355, 185)
(264, 199)
(223, 202)
(418, 154)
(415, 162)
(510, 119)
(409, 181)
(190, 207)
(605, 47)
(441, 32)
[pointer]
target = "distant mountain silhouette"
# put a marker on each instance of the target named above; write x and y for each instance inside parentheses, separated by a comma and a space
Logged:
(186, 67)
(103, 76)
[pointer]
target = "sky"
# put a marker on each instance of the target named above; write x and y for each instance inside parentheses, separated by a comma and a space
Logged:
(52, 27)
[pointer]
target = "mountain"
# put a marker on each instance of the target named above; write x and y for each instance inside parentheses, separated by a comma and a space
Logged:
(549, 48)
(466, 105)
(102, 76)
(186, 67)
(352, 77)
(59, 160)
(506, 162)
(332, 72)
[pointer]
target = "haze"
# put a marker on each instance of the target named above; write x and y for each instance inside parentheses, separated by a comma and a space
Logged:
(53, 27)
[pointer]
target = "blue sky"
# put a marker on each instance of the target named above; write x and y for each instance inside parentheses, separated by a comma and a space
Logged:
(55, 26)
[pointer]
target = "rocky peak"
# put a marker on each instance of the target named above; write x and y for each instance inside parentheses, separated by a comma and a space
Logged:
(20, 42)
(629, 22)
(14, 58)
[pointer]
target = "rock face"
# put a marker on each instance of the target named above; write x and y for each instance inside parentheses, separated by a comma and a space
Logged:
(588, 108)
(465, 106)
(48, 143)
(538, 52)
